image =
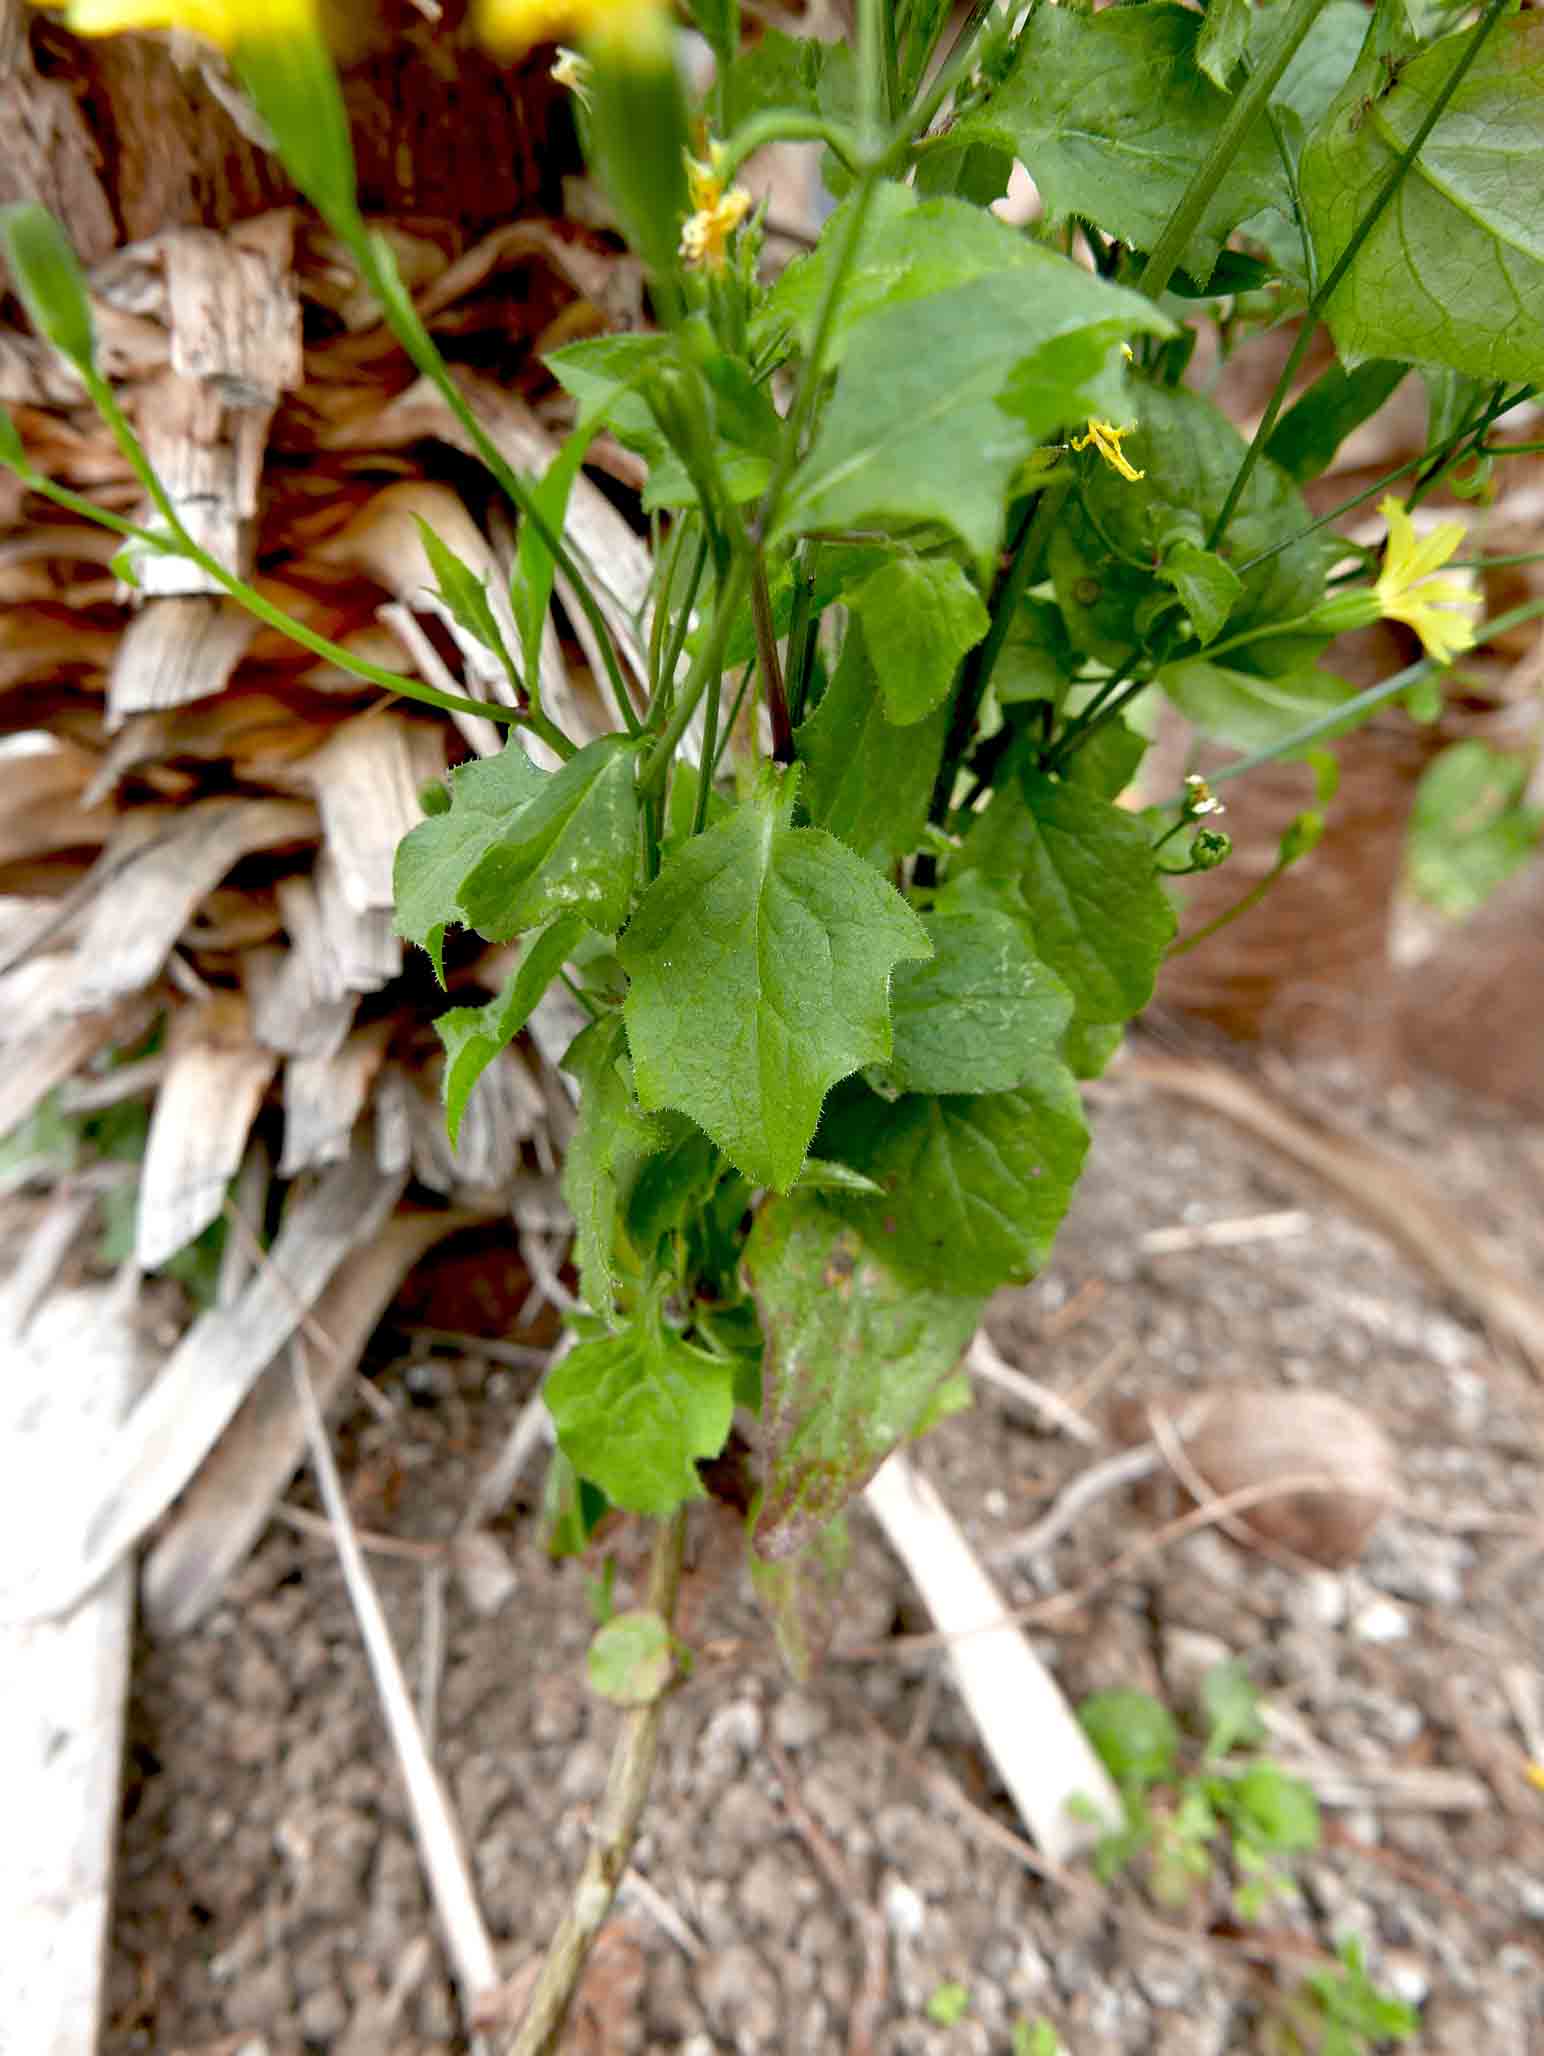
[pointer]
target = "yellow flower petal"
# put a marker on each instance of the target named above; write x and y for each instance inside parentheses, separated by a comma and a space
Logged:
(515, 25)
(218, 21)
(705, 236)
(1105, 437)
(1440, 610)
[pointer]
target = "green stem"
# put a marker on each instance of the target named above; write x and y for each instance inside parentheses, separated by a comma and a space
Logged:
(1329, 284)
(1374, 697)
(681, 626)
(1438, 451)
(1252, 898)
(746, 674)
(1023, 566)
(705, 668)
(183, 545)
(1248, 105)
(771, 670)
(709, 755)
(871, 71)
(403, 319)
(801, 636)
(761, 129)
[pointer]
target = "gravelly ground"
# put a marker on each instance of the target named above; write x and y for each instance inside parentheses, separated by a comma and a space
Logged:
(269, 1896)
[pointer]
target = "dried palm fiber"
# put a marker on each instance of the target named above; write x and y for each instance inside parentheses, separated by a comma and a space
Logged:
(197, 818)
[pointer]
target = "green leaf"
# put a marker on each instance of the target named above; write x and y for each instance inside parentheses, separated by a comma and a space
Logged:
(920, 615)
(1223, 39)
(610, 1140)
(798, 1594)
(1133, 1734)
(572, 846)
(1107, 548)
(867, 780)
(1232, 1708)
(1305, 439)
(974, 1188)
(1209, 588)
(991, 367)
(1112, 117)
(631, 1659)
(462, 591)
(292, 81)
(983, 1014)
(854, 1355)
(603, 372)
(1037, 660)
(1098, 913)
(530, 586)
(47, 275)
(434, 858)
(1471, 828)
(910, 249)
(13, 453)
(1272, 1808)
(1106, 761)
(637, 1412)
(1322, 61)
(1453, 272)
(1245, 711)
(776, 945)
(674, 1184)
(474, 1036)
(948, 2003)
(638, 135)
(1089, 1046)
(781, 72)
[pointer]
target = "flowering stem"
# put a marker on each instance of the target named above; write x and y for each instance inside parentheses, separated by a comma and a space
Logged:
(1248, 105)
(1329, 284)
(179, 543)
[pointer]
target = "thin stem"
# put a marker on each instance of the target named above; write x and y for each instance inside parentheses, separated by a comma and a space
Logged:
(801, 637)
(871, 71)
(771, 670)
(709, 752)
(627, 1791)
(182, 544)
(1028, 549)
(706, 666)
(1373, 697)
(761, 129)
(1229, 915)
(1438, 451)
(1248, 105)
(727, 736)
(403, 319)
(681, 626)
(1330, 283)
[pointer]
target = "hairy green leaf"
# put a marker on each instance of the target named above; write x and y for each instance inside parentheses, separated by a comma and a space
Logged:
(636, 1412)
(1321, 63)
(1208, 586)
(611, 1138)
(776, 945)
(1249, 712)
(983, 1014)
(571, 847)
(1112, 116)
(854, 1355)
(1097, 911)
(866, 780)
(991, 367)
(974, 1188)
(474, 1036)
(435, 858)
(1453, 272)
(920, 615)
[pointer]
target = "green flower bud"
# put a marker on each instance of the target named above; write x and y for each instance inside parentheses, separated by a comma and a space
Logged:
(1209, 849)
(1342, 612)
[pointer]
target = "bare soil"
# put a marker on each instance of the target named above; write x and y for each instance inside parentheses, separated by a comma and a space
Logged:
(269, 1896)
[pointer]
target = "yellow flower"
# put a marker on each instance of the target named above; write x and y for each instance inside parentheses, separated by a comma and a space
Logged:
(515, 25)
(716, 214)
(219, 21)
(1105, 437)
(1440, 610)
(1534, 1773)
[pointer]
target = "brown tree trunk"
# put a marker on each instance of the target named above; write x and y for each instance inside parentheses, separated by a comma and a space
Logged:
(125, 135)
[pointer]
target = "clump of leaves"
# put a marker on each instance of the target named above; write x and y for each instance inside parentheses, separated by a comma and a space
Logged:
(1472, 826)
(1190, 1816)
(1339, 2011)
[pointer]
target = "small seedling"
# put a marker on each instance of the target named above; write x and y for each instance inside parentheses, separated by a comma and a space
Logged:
(949, 2003)
(1186, 1821)
(1036, 2039)
(1340, 2012)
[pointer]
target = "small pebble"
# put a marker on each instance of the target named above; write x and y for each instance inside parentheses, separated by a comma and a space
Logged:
(905, 1909)
(1381, 1621)
(1407, 1977)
